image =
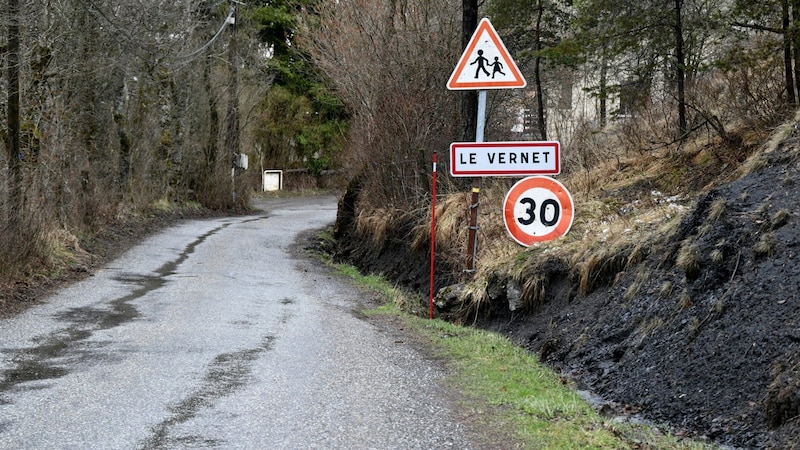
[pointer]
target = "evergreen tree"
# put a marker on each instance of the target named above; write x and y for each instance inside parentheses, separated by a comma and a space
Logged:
(304, 122)
(651, 44)
(531, 30)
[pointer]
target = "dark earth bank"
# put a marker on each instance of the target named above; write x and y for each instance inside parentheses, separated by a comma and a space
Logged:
(698, 330)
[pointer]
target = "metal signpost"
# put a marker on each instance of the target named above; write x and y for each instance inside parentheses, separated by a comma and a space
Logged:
(485, 64)
(535, 209)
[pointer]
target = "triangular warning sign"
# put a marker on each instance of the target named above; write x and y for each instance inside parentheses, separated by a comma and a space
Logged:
(486, 63)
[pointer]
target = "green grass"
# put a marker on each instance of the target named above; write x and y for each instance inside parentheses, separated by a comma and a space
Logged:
(508, 390)
(542, 412)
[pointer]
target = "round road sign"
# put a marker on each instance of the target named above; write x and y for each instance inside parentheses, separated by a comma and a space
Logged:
(538, 209)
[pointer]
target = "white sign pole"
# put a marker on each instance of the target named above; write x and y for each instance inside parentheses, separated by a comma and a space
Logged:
(479, 132)
(485, 51)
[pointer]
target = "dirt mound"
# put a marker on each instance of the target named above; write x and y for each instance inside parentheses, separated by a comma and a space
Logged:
(393, 258)
(702, 333)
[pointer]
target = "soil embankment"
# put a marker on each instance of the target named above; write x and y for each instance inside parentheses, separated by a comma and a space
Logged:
(702, 332)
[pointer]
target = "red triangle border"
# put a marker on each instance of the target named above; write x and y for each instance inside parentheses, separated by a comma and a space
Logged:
(486, 27)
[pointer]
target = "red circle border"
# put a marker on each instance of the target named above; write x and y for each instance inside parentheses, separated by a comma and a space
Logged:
(550, 184)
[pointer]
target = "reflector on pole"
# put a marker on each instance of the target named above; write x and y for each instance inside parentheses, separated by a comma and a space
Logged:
(433, 233)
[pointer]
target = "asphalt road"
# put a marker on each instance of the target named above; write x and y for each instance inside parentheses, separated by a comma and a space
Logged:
(211, 335)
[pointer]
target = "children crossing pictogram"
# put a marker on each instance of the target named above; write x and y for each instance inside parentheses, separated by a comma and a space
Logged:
(486, 51)
(497, 67)
(481, 62)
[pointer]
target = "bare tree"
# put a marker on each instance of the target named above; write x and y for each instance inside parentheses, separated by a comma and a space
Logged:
(390, 63)
(114, 107)
(469, 99)
(16, 203)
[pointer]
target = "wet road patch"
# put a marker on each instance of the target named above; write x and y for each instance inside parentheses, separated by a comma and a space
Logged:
(48, 359)
(226, 374)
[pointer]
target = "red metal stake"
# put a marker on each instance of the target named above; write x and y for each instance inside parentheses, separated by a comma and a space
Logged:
(433, 232)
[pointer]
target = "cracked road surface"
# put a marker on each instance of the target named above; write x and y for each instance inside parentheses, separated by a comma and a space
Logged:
(211, 335)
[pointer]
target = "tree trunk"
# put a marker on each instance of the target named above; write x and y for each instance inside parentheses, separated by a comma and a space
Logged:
(213, 123)
(680, 69)
(787, 54)
(795, 38)
(232, 137)
(469, 99)
(537, 75)
(124, 163)
(603, 88)
(16, 201)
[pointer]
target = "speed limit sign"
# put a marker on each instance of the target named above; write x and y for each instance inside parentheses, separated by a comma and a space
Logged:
(538, 209)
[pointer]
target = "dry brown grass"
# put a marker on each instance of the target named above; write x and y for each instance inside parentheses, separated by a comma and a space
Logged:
(765, 246)
(635, 288)
(779, 219)
(717, 256)
(64, 249)
(39, 253)
(23, 249)
(685, 300)
(649, 327)
(788, 131)
(666, 290)
(451, 222)
(375, 224)
(622, 204)
(535, 289)
(602, 266)
(611, 233)
(628, 194)
(717, 209)
(689, 259)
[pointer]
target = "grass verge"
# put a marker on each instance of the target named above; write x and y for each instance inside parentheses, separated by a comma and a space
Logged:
(527, 399)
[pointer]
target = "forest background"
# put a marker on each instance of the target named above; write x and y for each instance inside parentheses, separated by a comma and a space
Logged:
(118, 109)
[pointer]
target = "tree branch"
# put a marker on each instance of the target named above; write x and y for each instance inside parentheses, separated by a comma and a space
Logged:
(755, 26)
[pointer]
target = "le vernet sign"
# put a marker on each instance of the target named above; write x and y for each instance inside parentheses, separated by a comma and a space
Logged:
(480, 159)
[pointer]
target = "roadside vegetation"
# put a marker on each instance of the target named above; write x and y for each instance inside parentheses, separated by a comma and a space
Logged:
(504, 388)
(116, 112)
(653, 106)
(119, 110)
(673, 119)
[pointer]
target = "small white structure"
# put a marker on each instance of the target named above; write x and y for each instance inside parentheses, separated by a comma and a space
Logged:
(272, 180)
(241, 161)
